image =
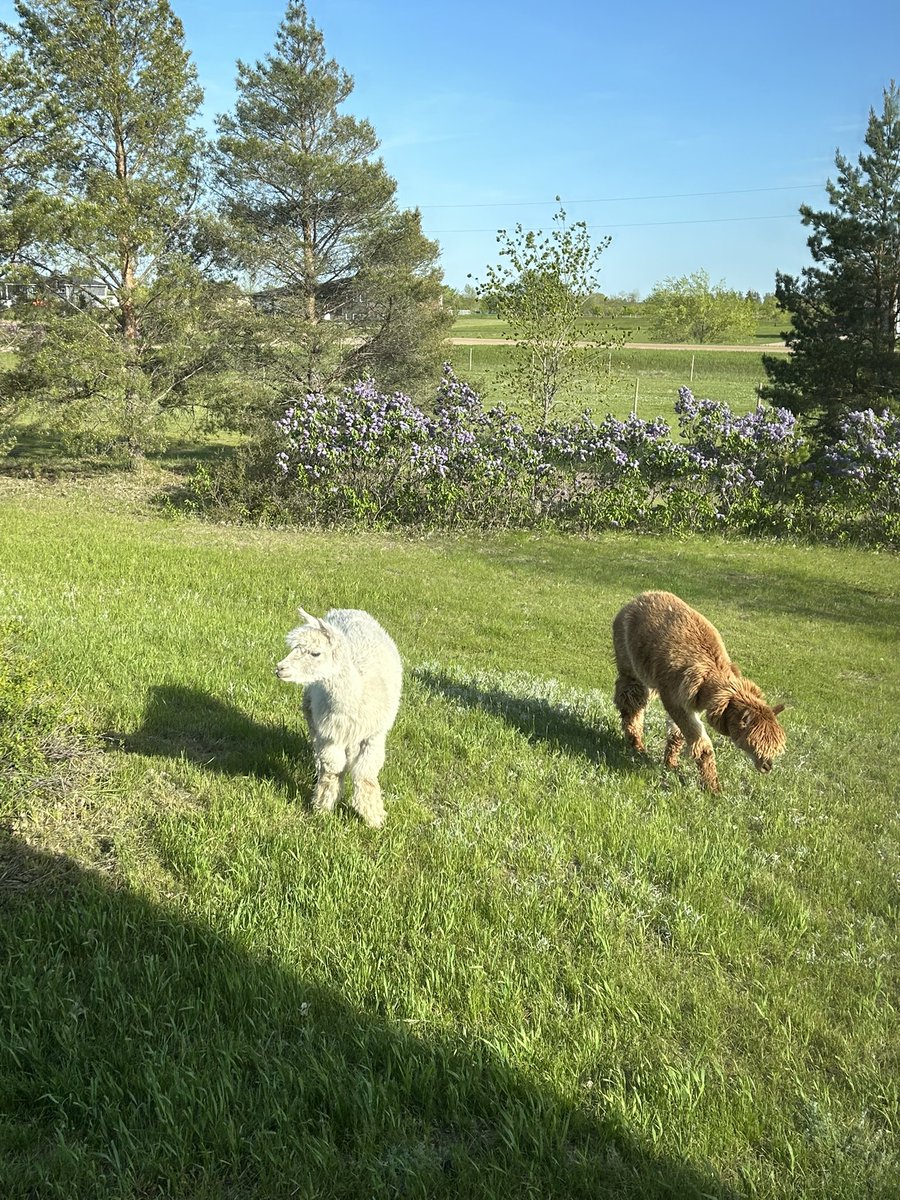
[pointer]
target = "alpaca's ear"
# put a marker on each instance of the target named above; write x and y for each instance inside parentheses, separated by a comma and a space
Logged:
(330, 631)
(314, 621)
(779, 708)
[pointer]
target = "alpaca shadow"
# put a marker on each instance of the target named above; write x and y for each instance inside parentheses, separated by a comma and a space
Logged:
(185, 723)
(537, 719)
(212, 1072)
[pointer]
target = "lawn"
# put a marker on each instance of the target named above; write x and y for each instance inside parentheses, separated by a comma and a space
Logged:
(557, 972)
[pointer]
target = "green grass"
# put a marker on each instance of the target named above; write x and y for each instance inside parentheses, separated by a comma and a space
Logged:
(636, 327)
(629, 379)
(647, 380)
(558, 971)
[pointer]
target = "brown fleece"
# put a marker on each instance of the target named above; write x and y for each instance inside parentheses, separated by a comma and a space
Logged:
(663, 645)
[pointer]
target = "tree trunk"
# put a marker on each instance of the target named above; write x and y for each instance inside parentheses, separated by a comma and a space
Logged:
(128, 322)
(309, 265)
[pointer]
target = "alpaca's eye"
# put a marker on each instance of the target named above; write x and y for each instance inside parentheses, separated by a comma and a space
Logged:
(315, 653)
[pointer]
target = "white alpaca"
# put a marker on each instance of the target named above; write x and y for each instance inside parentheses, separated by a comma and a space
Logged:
(352, 677)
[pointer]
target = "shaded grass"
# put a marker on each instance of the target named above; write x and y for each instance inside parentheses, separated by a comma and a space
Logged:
(558, 972)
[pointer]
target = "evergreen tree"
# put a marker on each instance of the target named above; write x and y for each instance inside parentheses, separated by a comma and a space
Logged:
(29, 137)
(846, 308)
(123, 305)
(348, 281)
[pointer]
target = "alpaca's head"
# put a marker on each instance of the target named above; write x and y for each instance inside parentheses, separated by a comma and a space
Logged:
(313, 652)
(752, 725)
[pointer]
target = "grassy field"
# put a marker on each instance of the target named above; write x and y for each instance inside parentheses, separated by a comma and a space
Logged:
(645, 381)
(642, 380)
(636, 328)
(558, 972)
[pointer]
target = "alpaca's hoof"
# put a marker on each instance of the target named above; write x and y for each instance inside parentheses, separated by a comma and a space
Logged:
(368, 803)
(325, 797)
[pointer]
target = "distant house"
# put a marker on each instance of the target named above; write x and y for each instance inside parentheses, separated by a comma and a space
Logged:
(85, 293)
(335, 301)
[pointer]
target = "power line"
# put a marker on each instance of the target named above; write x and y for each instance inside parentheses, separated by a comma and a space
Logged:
(792, 187)
(639, 224)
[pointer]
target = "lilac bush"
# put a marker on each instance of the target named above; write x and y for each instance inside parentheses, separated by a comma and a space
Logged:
(861, 470)
(365, 457)
(866, 457)
(361, 455)
(350, 455)
(739, 465)
(619, 473)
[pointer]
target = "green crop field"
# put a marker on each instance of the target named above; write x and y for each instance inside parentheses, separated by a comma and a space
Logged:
(559, 971)
(635, 327)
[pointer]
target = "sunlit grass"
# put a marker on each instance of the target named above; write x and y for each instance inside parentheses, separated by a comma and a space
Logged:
(635, 327)
(645, 381)
(558, 971)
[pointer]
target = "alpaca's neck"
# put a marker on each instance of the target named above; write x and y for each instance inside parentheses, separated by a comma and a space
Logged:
(344, 685)
(715, 693)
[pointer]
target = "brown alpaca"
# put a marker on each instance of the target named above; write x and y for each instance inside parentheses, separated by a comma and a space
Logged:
(663, 646)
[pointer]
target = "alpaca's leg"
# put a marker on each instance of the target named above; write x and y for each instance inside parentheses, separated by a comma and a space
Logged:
(331, 762)
(631, 698)
(674, 744)
(701, 748)
(366, 795)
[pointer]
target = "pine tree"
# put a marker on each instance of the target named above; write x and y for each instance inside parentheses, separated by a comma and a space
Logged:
(350, 283)
(121, 180)
(846, 308)
(29, 137)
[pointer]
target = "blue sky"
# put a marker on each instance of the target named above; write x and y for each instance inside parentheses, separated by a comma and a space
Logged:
(690, 133)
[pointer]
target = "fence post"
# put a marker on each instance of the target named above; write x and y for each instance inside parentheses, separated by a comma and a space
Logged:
(470, 360)
(634, 403)
(692, 370)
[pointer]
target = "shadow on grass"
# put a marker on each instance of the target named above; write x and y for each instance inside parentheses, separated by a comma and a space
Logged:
(40, 455)
(537, 719)
(149, 1055)
(762, 584)
(186, 723)
(36, 456)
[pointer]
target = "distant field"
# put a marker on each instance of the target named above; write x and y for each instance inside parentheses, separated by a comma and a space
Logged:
(635, 328)
(646, 379)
